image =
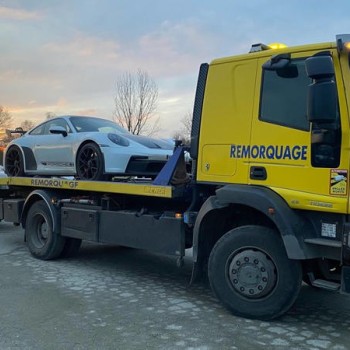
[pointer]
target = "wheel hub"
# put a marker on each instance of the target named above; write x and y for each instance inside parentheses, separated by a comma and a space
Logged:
(43, 230)
(252, 274)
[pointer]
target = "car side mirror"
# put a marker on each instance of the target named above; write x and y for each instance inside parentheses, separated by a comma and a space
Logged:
(57, 129)
(322, 102)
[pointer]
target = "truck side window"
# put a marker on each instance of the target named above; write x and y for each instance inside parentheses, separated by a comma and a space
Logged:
(284, 102)
(284, 96)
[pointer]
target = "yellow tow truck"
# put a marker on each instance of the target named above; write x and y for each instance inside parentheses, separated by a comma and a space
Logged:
(267, 202)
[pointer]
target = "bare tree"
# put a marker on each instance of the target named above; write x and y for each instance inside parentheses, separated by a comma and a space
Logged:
(184, 134)
(27, 124)
(6, 119)
(136, 102)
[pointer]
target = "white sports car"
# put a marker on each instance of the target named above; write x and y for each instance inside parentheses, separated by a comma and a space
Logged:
(86, 147)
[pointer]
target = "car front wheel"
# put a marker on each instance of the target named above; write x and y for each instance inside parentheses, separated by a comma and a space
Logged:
(90, 163)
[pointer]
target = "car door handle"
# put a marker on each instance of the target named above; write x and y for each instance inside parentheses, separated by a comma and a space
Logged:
(258, 173)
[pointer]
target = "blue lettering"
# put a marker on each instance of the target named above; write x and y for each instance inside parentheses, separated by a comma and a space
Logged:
(303, 152)
(239, 151)
(270, 152)
(286, 153)
(262, 152)
(296, 152)
(279, 152)
(233, 151)
(255, 152)
(245, 151)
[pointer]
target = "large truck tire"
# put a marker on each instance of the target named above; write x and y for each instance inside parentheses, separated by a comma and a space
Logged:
(42, 242)
(250, 273)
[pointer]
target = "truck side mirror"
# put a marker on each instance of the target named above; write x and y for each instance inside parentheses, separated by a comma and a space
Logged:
(281, 64)
(277, 62)
(322, 93)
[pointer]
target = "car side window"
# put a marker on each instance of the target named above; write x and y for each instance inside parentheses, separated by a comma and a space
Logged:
(284, 96)
(56, 122)
(39, 130)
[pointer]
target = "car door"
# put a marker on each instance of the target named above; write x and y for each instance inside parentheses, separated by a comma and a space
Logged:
(54, 152)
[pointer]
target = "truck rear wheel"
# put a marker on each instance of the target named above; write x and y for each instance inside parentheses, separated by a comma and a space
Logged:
(42, 242)
(250, 273)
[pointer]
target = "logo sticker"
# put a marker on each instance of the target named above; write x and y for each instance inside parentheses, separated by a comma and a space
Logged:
(338, 182)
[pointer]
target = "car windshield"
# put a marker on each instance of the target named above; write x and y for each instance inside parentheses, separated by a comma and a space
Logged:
(90, 124)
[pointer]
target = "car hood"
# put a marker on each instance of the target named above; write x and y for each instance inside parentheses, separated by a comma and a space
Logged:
(150, 142)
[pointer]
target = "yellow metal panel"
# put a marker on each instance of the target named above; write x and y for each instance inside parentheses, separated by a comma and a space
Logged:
(140, 189)
(344, 105)
(310, 201)
(269, 53)
(215, 161)
(226, 119)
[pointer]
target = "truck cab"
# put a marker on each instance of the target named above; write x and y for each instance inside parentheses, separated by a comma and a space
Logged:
(271, 133)
(255, 127)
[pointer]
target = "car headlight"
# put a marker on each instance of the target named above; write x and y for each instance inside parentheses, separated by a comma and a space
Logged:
(118, 140)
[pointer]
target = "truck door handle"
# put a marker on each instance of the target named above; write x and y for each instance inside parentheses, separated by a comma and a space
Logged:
(258, 173)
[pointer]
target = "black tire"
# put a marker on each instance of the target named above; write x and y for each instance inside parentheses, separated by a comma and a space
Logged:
(250, 273)
(14, 164)
(42, 242)
(71, 247)
(90, 163)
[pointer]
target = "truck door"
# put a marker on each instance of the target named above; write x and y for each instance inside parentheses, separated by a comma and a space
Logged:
(226, 118)
(307, 164)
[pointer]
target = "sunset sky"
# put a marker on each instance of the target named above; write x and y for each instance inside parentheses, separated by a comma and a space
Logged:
(64, 56)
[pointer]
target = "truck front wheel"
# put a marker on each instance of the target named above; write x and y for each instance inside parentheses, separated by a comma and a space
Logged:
(42, 242)
(250, 273)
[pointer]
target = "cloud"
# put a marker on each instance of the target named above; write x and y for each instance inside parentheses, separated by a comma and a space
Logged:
(80, 65)
(18, 14)
(75, 73)
(86, 50)
(176, 47)
(170, 49)
(71, 71)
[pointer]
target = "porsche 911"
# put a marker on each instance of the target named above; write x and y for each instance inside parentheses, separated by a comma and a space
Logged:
(88, 148)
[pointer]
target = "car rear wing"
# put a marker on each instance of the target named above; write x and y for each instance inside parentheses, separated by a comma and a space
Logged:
(18, 130)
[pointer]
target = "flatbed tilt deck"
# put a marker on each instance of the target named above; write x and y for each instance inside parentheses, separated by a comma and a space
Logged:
(266, 205)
